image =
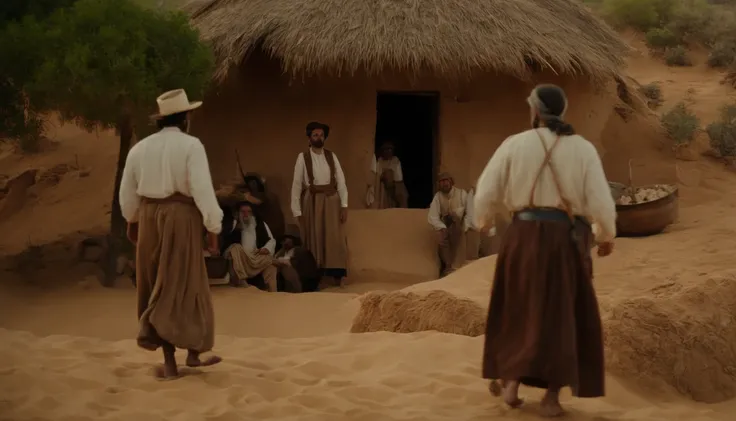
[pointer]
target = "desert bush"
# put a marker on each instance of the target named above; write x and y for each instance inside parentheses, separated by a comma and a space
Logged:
(662, 38)
(723, 54)
(681, 124)
(677, 56)
(689, 20)
(638, 14)
(653, 94)
(722, 132)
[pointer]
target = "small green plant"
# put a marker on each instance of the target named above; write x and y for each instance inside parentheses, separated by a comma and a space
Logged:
(722, 133)
(653, 93)
(661, 38)
(680, 124)
(677, 56)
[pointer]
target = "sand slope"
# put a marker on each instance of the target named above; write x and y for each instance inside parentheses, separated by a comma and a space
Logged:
(380, 376)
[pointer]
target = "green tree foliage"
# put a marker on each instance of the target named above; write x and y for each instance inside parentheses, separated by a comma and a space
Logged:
(106, 61)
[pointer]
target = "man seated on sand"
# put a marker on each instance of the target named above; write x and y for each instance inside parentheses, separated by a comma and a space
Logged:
(297, 267)
(250, 248)
(449, 217)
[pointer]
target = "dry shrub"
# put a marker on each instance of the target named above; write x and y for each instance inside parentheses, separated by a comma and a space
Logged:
(638, 14)
(680, 124)
(653, 93)
(722, 132)
(682, 335)
(405, 312)
(661, 39)
(723, 54)
(677, 56)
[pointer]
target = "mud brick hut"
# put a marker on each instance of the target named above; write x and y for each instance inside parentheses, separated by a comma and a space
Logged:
(445, 80)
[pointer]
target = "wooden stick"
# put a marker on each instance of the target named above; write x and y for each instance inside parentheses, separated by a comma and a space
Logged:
(632, 191)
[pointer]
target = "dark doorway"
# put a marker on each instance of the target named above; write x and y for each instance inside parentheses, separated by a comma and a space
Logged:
(409, 120)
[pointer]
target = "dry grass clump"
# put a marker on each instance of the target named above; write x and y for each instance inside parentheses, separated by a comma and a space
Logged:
(653, 93)
(405, 312)
(722, 132)
(680, 124)
(677, 56)
(680, 335)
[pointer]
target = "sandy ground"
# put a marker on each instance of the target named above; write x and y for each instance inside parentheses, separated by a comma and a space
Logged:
(66, 348)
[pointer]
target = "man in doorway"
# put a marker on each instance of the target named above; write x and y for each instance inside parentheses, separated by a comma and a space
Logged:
(250, 248)
(389, 179)
(449, 217)
(166, 195)
(298, 271)
(319, 201)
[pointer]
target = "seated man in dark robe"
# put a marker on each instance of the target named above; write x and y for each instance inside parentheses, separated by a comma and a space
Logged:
(298, 270)
(266, 204)
(250, 247)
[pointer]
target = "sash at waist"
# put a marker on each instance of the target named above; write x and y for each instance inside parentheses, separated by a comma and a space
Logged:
(547, 214)
(174, 198)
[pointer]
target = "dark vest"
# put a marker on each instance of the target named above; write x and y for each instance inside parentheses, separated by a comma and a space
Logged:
(235, 236)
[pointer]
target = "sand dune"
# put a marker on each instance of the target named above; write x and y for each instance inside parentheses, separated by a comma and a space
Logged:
(379, 376)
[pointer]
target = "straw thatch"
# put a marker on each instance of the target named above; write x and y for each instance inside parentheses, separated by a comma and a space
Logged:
(451, 38)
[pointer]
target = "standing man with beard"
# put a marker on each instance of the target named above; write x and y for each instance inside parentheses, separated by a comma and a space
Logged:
(319, 201)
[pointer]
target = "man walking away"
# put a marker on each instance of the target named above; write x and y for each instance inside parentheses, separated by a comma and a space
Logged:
(166, 195)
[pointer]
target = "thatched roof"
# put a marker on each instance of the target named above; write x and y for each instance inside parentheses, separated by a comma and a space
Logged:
(450, 38)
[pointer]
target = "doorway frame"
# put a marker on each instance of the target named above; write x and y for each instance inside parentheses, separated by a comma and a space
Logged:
(436, 149)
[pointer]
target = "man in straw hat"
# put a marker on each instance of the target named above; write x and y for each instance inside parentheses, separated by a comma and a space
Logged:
(166, 195)
(319, 200)
(544, 328)
(449, 217)
(388, 180)
(298, 271)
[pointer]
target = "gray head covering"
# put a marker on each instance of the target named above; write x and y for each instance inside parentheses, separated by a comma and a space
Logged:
(536, 103)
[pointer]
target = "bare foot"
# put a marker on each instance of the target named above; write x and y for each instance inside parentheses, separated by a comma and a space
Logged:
(166, 372)
(550, 408)
(511, 394)
(496, 388)
(194, 361)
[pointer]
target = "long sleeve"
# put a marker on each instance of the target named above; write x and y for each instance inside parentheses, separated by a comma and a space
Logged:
(470, 198)
(599, 202)
(491, 187)
(296, 187)
(128, 196)
(202, 190)
(433, 217)
(271, 244)
(374, 164)
(399, 173)
(342, 188)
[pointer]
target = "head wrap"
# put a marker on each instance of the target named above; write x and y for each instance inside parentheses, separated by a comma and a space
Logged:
(544, 112)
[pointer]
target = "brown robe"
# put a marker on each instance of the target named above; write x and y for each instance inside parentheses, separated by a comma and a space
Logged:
(301, 274)
(544, 326)
(321, 230)
(389, 193)
(174, 301)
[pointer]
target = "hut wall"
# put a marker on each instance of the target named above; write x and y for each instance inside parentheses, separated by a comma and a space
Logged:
(262, 112)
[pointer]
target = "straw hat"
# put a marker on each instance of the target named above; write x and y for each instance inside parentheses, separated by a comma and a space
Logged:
(174, 102)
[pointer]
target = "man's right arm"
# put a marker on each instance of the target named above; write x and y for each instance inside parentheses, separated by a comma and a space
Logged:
(433, 217)
(201, 188)
(296, 187)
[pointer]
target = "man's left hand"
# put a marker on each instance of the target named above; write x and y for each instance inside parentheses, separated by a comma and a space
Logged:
(263, 251)
(343, 215)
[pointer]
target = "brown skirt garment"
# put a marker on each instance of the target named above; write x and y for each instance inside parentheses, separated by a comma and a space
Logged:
(322, 232)
(174, 300)
(544, 326)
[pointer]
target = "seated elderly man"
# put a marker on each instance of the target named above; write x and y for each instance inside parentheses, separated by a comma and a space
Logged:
(298, 270)
(250, 248)
(448, 215)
